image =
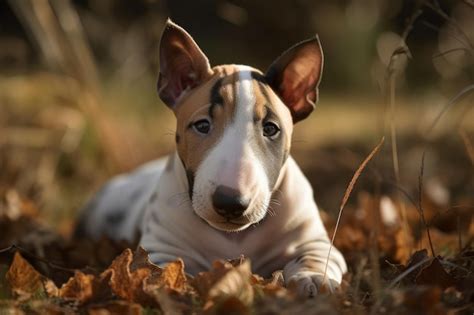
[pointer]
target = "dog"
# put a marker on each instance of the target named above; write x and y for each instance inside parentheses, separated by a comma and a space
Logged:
(231, 188)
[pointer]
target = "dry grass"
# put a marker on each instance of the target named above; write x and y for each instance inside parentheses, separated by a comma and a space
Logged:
(57, 147)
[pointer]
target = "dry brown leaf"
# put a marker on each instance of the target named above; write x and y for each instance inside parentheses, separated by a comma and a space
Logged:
(115, 307)
(79, 287)
(435, 275)
(171, 301)
(50, 307)
(84, 288)
(403, 245)
(51, 288)
(173, 276)
(416, 262)
(225, 280)
(231, 305)
(170, 289)
(125, 283)
(424, 300)
(275, 286)
(10, 308)
(141, 260)
(23, 279)
(205, 280)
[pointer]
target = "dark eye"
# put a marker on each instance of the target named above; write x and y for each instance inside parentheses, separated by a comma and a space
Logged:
(202, 126)
(270, 129)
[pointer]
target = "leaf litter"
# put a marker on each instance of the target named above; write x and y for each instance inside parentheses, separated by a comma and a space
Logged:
(42, 272)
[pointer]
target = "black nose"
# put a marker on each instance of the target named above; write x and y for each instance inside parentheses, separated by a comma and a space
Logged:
(228, 202)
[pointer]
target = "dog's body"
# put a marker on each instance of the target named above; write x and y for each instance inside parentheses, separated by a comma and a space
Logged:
(231, 188)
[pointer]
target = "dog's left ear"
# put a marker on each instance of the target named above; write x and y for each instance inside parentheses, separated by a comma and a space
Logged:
(295, 77)
(183, 65)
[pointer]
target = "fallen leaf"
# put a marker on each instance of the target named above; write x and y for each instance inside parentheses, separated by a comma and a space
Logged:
(23, 279)
(403, 245)
(51, 288)
(275, 286)
(173, 302)
(50, 307)
(115, 307)
(424, 300)
(225, 280)
(84, 288)
(416, 262)
(204, 281)
(231, 305)
(171, 290)
(435, 275)
(128, 284)
(173, 276)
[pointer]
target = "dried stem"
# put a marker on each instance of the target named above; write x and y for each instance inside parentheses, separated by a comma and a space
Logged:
(347, 193)
(451, 22)
(420, 203)
(443, 53)
(456, 99)
(467, 144)
(13, 248)
(391, 72)
(469, 3)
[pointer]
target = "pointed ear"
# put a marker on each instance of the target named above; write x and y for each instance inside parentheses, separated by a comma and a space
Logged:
(183, 65)
(295, 77)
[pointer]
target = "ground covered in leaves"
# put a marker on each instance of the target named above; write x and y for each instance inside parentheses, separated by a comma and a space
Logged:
(395, 265)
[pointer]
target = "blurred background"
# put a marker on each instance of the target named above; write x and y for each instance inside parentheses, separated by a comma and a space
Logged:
(78, 101)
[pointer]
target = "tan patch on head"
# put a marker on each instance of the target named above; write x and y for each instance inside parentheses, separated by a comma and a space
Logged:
(192, 146)
(266, 98)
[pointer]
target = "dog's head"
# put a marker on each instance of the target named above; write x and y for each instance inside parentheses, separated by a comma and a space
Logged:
(234, 124)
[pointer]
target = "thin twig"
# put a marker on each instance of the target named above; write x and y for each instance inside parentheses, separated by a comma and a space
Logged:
(390, 79)
(394, 282)
(456, 99)
(407, 272)
(452, 22)
(443, 53)
(23, 251)
(469, 3)
(404, 192)
(468, 144)
(450, 33)
(349, 189)
(420, 203)
(358, 277)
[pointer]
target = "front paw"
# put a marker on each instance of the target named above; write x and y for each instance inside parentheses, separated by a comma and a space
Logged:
(309, 284)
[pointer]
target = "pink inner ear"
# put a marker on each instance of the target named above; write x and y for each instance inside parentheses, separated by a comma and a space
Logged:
(298, 85)
(185, 78)
(181, 74)
(183, 65)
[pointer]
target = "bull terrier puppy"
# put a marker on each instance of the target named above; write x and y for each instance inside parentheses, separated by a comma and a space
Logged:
(231, 187)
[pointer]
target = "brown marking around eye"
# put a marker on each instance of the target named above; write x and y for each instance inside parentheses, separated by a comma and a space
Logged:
(192, 147)
(222, 86)
(261, 100)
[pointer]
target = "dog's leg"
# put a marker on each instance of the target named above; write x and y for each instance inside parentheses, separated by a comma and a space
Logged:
(305, 273)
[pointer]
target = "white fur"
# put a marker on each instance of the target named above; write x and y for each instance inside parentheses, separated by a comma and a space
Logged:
(293, 238)
(171, 229)
(233, 163)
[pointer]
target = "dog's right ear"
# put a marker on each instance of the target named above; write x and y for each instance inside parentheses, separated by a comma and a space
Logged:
(183, 65)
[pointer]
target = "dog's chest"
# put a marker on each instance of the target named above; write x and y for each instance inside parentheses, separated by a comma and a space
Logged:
(180, 232)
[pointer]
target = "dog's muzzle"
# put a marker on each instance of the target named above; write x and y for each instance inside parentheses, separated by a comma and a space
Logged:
(229, 202)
